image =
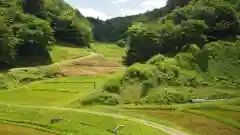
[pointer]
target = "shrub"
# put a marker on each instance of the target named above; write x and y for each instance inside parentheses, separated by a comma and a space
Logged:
(220, 95)
(103, 98)
(220, 60)
(141, 71)
(193, 48)
(164, 97)
(121, 43)
(112, 85)
(186, 61)
(155, 59)
(169, 69)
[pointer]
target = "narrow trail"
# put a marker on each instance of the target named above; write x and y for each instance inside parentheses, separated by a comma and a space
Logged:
(64, 62)
(168, 130)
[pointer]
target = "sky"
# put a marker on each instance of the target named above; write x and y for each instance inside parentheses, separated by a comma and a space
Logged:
(106, 9)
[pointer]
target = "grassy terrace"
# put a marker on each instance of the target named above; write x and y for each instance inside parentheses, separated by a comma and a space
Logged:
(71, 123)
(53, 94)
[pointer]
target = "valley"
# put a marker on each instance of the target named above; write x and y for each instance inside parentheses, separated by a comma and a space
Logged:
(170, 71)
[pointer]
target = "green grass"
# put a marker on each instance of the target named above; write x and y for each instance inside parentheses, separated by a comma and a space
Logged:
(29, 96)
(64, 51)
(71, 121)
(111, 51)
(41, 93)
(7, 129)
(20, 76)
(233, 123)
(226, 112)
(174, 117)
(200, 92)
(195, 123)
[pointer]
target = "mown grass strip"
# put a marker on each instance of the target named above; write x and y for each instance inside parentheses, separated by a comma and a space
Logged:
(216, 117)
(40, 127)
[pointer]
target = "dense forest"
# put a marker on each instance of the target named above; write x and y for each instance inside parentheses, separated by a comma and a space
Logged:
(198, 23)
(30, 27)
(115, 29)
(194, 45)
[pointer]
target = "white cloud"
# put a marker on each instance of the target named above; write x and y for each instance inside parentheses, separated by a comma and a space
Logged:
(152, 4)
(144, 6)
(90, 12)
(119, 1)
(125, 12)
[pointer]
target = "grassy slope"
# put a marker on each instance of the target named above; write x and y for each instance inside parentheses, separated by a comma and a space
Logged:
(60, 53)
(199, 92)
(7, 129)
(205, 118)
(64, 51)
(110, 51)
(71, 121)
(65, 94)
(41, 93)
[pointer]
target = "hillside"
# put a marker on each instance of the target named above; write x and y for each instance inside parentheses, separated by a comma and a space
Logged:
(114, 29)
(177, 74)
(29, 28)
(193, 46)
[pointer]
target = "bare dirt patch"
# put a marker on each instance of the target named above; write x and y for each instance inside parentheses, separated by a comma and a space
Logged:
(90, 66)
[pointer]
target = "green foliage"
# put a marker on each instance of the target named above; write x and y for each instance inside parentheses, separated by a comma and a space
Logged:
(220, 60)
(103, 98)
(186, 61)
(193, 48)
(141, 71)
(198, 23)
(121, 43)
(7, 44)
(115, 29)
(34, 7)
(112, 85)
(164, 97)
(29, 28)
(34, 34)
(17, 77)
(155, 59)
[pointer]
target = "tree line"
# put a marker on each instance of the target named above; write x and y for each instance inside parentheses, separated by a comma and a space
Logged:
(198, 23)
(115, 29)
(30, 27)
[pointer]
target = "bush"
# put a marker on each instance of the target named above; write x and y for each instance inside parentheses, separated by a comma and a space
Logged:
(141, 71)
(112, 86)
(103, 98)
(220, 95)
(193, 48)
(220, 60)
(186, 61)
(155, 59)
(121, 43)
(164, 97)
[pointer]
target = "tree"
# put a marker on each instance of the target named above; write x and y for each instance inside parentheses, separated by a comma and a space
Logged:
(7, 44)
(226, 21)
(34, 7)
(35, 35)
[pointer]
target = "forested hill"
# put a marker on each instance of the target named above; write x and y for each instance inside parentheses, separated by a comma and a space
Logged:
(29, 28)
(115, 29)
(194, 45)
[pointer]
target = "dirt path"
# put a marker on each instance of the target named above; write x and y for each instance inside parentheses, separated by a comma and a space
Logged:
(65, 62)
(169, 130)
